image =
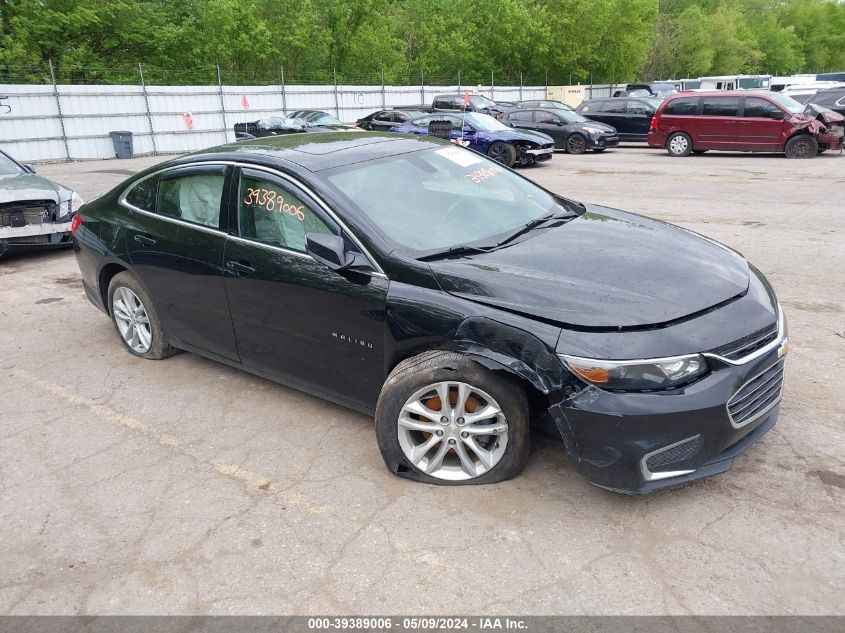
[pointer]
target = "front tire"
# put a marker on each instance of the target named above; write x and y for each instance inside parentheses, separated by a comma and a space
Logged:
(576, 144)
(679, 144)
(444, 419)
(136, 320)
(503, 153)
(801, 146)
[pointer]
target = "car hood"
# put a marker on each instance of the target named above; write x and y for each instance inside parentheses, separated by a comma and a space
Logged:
(513, 134)
(17, 187)
(605, 269)
(604, 127)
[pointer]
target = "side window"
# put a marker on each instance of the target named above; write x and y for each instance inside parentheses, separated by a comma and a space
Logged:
(585, 106)
(638, 107)
(759, 108)
(269, 212)
(614, 106)
(441, 104)
(193, 197)
(545, 117)
(383, 116)
(398, 117)
(720, 106)
(522, 115)
(685, 106)
(143, 195)
(423, 121)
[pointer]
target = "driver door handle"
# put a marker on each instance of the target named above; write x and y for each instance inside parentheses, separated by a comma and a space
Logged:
(145, 240)
(240, 268)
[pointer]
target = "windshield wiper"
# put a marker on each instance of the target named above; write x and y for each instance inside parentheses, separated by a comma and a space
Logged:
(533, 224)
(460, 249)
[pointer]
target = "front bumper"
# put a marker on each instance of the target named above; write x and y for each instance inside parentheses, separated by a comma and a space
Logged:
(541, 153)
(639, 443)
(34, 230)
(831, 140)
(602, 141)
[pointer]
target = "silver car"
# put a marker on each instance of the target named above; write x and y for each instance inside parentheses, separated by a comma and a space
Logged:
(34, 212)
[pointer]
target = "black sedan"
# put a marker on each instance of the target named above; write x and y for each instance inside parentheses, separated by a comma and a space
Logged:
(452, 298)
(631, 117)
(383, 120)
(570, 131)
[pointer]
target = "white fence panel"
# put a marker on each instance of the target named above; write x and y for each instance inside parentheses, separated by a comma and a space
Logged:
(183, 118)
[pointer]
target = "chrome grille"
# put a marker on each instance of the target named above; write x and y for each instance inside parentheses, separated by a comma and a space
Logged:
(747, 344)
(756, 396)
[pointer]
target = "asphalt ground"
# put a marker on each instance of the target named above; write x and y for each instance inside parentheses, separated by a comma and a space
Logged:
(185, 486)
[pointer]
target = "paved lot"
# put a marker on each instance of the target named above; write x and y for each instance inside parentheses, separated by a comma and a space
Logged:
(184, 486)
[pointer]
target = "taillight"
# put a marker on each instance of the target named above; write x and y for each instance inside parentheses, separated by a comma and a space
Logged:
(654, 121)
(75, 223)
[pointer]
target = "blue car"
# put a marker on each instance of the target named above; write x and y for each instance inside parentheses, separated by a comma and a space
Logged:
(486, 135)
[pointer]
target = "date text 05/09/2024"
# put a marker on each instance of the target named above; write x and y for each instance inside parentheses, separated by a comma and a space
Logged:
(417, 623)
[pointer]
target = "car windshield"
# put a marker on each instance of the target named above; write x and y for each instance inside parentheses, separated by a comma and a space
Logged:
(787, 103)
(485, 122)
(480, 101)
(8, 166)
(321, 118)
(653, 101)
(442, 198)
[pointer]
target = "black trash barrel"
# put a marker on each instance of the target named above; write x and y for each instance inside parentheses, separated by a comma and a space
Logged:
(122, 141)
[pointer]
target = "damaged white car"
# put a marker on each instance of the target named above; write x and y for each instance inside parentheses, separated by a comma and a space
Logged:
(35, 213)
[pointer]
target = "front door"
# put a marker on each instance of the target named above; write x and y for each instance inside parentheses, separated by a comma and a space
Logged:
(550, 123)
(638, 116)
(758, 129)
(176, 248)
(295, 319)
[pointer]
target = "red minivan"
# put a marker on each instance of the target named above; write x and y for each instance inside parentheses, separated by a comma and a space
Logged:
(740, 121)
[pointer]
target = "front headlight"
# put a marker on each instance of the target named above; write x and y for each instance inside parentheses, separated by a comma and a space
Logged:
(73, 204)
(592, 130)
(638, 375)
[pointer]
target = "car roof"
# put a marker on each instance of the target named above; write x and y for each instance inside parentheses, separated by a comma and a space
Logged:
(722, 93)
(316, 152)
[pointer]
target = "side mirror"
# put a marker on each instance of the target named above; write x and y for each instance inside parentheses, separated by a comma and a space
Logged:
(29, 168)
(558, 122)
(329, 250)
(778, 115)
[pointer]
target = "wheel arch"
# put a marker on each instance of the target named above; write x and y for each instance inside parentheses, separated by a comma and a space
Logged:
(104, 277)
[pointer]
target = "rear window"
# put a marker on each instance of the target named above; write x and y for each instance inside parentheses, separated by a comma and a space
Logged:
(143, 195)
(685, 106)
(442, 103)
(720, 106)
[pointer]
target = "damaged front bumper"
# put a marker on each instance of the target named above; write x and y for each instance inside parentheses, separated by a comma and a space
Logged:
(638, 443)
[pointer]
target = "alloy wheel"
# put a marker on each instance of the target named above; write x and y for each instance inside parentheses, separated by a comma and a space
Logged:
(453, 431)
(575, 144)
(132, 320)
(499, 153)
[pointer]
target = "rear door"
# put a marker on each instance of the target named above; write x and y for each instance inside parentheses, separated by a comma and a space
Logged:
(638, 118)
(717, 125)
(177, 252)
(295, 319)
(758, 130)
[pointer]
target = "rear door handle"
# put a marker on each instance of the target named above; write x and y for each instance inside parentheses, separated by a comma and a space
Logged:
(238, 267)
(145, 240)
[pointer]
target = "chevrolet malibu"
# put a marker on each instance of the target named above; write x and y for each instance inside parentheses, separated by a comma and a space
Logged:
(456, 301)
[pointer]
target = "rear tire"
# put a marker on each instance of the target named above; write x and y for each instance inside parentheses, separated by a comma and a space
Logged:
(422, 447)
(679, 144)
(801, 146)
(503, 153)
(576, 144)
(136, 320)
